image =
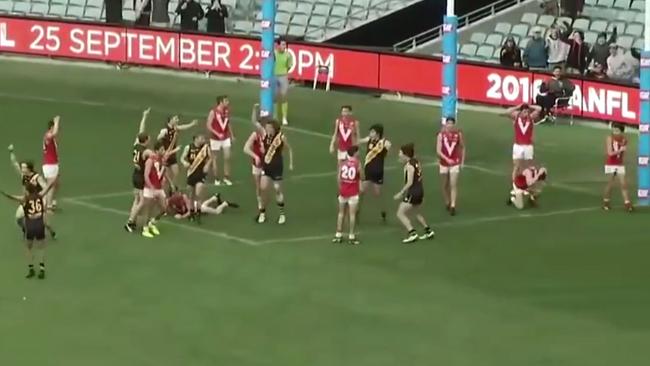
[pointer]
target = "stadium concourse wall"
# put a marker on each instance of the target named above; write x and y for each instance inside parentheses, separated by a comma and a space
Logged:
(391, 72)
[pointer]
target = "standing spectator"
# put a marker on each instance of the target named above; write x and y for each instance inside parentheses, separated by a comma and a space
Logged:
(557, 50)
(142, 12)
(550, 7)
(113, 11)
(573, 8)
(536, 54)
(190, 12)
(620, 67)
(600, 50)
(578, 51)
(597, 71)
(510, 54)
(159, 13)
(216, 15)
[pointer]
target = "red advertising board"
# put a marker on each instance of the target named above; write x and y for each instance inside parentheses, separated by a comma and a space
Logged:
(488, 84)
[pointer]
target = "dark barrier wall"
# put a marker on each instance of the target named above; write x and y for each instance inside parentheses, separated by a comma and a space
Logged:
(390, 72)
(387, 31)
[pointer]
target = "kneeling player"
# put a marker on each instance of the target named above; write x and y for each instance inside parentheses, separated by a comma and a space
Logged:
(412, 195)
(527, 184)
(34, 208)
(196, 158)
(179, 205)
(451, 154)
(615, 166)
(349, 180)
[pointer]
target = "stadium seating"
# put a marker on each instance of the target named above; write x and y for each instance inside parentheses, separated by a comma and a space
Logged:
(311, 19)
(626, 15)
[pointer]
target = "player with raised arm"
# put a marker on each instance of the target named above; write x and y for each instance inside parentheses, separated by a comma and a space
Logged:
(373, 167)
(222, 137)
(412, 195)
(254, 147)
(179, 205)
(523, 120)
(450, 148)
(283, 63)
(153, 193)
(31, 181)
(139, 157)
(272, 168)
(615, 148)
(33, 205)
(349, 179)
(51, 160)
(345, 135)
(196, 159)
(527, 184)
(169, 137)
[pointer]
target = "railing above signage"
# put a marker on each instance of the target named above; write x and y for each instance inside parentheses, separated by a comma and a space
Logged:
(378, 71)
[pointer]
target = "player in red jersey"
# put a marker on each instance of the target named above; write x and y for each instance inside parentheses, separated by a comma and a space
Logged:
(450, 147)
(523, 119)
(528, 183)
(169, 136)
(254, 148)
(222, 137)
(179, 205)
(616, 145)
(346, 133)
(51, 160)
(349, 179)
(153, 193)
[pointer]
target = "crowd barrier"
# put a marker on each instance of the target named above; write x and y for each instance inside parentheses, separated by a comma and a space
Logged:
(404, 73)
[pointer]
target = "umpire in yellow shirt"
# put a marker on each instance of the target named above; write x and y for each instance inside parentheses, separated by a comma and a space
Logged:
(283, 63)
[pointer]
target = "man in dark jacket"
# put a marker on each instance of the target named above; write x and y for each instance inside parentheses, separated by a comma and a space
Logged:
(216, 15)
(190, 12)
(536, 54)
(600, 50)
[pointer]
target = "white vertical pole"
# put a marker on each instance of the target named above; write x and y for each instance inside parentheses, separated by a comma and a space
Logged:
(643, 170)
(646, 33)
(450, 9)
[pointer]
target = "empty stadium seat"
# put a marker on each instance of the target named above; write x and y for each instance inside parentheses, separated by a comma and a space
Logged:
(478, 37)
(339, 11)
(503, 28)
(321, 9)
(80, 3)
(581, 24)
(39, 9)
(529, 18)
(620, 27)
(92, 13)
(520, 30)
(640, 18)
(21, 8)
(485, 52)
(605, 3)
(243, 26)
(286, 6)
(296, 30)
(281, 29)
(634, 29)
(494, 40)
(638, 43)
(524, 42)
(638, 5)
(5, 6)
(304, 8)
(590, 37)
(468, 49)
(57, 10)
(546, 20)
(598, 26)
(625, 41)
(622, 4)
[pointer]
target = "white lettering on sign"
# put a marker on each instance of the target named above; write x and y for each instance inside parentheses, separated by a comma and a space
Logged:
(642, 193)
(644, 128)
(45, 38)
(643, 160)
(5, 41)
(510, 88)
(307, 60)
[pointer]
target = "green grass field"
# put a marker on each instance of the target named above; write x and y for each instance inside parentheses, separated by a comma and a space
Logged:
(563, 284)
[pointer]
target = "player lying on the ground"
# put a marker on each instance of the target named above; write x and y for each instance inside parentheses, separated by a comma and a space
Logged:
(179, 205)
(527, 185)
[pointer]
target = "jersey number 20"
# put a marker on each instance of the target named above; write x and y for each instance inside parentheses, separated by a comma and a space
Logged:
(348, 172)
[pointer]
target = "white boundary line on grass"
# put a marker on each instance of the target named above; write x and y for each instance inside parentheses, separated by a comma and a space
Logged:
(453, 223)
(181, 225)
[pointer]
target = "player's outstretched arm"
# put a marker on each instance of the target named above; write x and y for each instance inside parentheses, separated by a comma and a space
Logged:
(14, 160)
(55, 128)
(255, 118)
(143, 121)
(187, 126)
(333, 140)
(12, 197)
(463, 151)
(286, 143)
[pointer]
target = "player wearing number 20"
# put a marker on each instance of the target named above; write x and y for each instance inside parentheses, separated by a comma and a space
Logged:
(616, 146)
(349, 179)
(451, 155)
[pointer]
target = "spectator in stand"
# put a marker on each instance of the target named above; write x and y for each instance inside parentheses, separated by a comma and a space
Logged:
(557, 90)
(578, 51)
(536, 54)
(572, 8)
(216, 15)
(510, 54)
(113, 11)
(190, 12)
(550, 7)
(620, 66)
(597, 71)
(142, 12)
(600, 50)
(557, 50)
(159, 13)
